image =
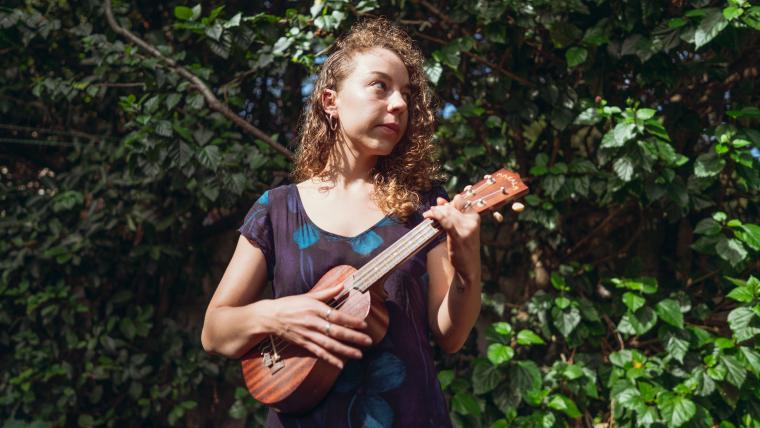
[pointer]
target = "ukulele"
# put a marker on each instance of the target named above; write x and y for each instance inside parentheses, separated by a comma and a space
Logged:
(287, 377)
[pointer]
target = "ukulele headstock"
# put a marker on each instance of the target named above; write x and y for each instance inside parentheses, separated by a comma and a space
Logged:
(493, 191)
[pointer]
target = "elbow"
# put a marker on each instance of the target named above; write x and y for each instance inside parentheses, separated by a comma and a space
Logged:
(452, 346)
(206, 342)
(450, 343)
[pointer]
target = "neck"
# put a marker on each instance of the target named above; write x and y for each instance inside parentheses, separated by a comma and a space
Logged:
(349, 167)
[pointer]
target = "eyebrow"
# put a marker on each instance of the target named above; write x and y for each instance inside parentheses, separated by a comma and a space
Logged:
(408, 86)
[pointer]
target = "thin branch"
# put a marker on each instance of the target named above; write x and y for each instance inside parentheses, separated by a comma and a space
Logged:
(201, 87)
(481, 60)
(435, 11)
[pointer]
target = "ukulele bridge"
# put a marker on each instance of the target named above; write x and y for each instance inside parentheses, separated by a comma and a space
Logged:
(271, 357)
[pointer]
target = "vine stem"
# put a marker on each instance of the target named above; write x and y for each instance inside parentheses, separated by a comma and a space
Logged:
(197, 83)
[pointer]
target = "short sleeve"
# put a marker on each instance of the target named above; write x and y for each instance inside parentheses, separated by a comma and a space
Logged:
(427, 200)
(257, 228)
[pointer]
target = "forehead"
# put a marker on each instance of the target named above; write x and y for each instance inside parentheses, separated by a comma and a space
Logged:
(379, 60)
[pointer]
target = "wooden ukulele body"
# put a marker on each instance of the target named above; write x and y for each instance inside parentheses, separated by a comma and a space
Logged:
(291, 379)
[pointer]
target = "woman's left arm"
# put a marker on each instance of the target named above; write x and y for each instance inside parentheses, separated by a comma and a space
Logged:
(454, 275)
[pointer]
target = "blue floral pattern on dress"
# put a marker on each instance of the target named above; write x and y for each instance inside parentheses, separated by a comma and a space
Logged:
(305, 236)
(366, 242)
(385, 373)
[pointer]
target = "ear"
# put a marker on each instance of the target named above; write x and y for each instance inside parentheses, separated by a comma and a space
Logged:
(330, 102)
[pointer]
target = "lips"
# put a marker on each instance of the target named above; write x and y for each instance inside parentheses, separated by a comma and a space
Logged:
(392, 126)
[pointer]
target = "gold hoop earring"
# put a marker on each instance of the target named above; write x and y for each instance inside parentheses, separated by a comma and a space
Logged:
(333, 123)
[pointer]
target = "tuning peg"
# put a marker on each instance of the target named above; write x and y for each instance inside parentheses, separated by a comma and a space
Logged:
(498, 217)
(518, 207)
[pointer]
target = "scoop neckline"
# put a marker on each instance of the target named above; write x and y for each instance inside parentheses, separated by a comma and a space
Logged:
(327, 232)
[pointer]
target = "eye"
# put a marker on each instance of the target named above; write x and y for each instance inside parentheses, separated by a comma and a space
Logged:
(379, 84)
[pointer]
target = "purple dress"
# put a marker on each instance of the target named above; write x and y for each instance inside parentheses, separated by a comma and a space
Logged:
(395, 383)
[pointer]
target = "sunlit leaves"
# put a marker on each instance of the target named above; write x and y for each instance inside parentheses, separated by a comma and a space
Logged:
(711, 25)
(676, 409)
(670, 311)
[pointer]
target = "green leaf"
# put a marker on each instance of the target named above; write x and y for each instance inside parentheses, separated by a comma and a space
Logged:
(576, 56)
(633, 301)
(752, 358)
(638, 323)
(676, 410)
(708, 165)
(731, 250)
(210, 157)
(445, 377)
(499, 423)
(623, 167)
(573, 372)
(527, 337)
(740, 322)
(214, 31)
(629, 398)
(183, 12)
(566, 320)
(619, 135)
(646, 285)
(741, 294)
(732, 12)
(558, 282)
(670, 311)
(677, 348)
(564, 404)
(502, 329)
(485, 377)
(708, 227)
(751, 112)
(499, 353)
(750, 235)
(712, 24)
(465, 404)
(736, 373)
(433, 71)
(645, 113)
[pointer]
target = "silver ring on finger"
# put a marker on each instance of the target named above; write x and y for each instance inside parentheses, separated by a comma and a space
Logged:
(328, 326)
(327, 313)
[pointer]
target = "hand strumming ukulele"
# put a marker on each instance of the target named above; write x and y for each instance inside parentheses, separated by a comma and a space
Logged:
(287, 377)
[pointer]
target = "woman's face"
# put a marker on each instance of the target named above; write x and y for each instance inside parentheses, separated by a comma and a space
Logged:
(371, 102)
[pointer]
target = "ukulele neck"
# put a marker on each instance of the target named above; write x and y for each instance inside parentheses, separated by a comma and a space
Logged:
(396, 254)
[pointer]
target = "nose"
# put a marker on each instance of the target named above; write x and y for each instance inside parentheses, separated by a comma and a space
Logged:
(397, 103)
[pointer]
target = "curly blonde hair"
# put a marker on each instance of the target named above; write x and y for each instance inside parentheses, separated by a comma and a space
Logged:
(411, 167)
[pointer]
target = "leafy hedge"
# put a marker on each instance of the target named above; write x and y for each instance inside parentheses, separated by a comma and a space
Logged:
(625, 294)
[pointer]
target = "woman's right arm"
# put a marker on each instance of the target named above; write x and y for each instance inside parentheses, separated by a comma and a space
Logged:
(236, 320)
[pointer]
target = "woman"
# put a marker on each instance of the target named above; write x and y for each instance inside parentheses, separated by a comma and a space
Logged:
(365, 176)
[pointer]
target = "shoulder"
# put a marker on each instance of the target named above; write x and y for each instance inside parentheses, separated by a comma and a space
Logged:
(273, 195)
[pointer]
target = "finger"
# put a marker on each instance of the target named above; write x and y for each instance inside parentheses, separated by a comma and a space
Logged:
(331, 345)
(347, 320)
(458, 202)
(319, 352)
(441, 201)
(328, 293)
(349, 335)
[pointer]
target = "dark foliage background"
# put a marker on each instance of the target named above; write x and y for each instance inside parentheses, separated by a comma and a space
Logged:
(134, 137)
